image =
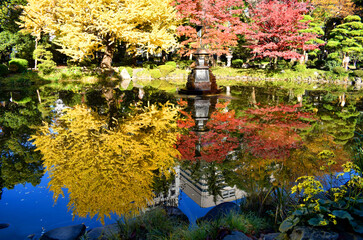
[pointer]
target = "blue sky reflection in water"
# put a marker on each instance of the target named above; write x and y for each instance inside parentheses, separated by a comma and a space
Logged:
(30, 210)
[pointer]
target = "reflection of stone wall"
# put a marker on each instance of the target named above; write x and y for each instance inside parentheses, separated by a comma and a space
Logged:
(198, 191)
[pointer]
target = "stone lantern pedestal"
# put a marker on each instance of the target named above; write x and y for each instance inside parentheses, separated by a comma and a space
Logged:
(201, 80)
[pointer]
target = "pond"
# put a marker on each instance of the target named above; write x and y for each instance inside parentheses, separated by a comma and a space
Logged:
(112, 152)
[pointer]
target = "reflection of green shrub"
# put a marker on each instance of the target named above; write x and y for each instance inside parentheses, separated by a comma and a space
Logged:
(237, 63)
(3, 70)
(18, 65)
(155, 73)
(166, 69)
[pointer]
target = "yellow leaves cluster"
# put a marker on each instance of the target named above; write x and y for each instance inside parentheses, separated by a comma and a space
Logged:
(82, 27)
(108, 171)
(333, 8)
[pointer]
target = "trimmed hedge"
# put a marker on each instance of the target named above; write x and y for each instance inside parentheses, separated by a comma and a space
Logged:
(237, 63)
(18, 65)
(3, 70)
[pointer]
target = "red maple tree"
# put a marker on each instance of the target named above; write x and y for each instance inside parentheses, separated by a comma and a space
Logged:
(219, 18)
(276, 29)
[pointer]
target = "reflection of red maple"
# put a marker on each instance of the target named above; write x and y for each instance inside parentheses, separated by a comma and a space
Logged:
(266, 133)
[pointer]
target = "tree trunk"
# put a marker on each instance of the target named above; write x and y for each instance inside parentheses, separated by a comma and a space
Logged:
(107, 57)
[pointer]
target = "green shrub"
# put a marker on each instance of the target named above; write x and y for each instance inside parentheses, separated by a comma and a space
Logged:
(166, 69)
(18, 65)
(171, 63)
(183, 64)
(47, 66)
(339, 70)
(358, 73)
(237, 63)
(155, 73)
(300, 67)
(3, 70)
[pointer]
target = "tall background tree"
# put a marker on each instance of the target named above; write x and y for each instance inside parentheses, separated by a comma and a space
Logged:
(11, 40)
(347, 38)
(220, 19)
(83, 27)
(275, 30)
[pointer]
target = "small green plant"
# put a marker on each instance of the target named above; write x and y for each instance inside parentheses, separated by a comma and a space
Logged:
(18, 65)
(3, 70)
(338, 207)
(155, 73)
(237, 63)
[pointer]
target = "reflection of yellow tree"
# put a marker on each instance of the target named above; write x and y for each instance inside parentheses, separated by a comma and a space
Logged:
(105, 170)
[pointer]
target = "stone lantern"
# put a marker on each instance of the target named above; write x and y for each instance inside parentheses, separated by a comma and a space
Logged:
(201, 80)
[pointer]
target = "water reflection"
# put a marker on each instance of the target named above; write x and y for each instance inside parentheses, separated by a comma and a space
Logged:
(108, 170)
(19, 163)
(112, 156)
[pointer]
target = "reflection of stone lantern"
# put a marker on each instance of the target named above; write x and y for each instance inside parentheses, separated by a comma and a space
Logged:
(201, 107)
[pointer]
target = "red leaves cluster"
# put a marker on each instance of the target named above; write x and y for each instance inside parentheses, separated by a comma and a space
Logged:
(276, 29)
(268, 133)
(221, 21)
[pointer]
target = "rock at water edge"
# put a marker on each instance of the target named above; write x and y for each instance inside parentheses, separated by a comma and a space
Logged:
(65, 233)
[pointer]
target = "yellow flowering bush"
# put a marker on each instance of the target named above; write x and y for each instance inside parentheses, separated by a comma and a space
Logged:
(328, 208)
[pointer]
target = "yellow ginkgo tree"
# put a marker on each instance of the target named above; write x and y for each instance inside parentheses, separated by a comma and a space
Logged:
(82, 27)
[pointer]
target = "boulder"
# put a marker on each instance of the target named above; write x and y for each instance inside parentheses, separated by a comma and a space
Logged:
(176, 214)
(236, 235)
(103, 233)
(219, 211)
(271, 236)
(306, 233)
(4, 225)
(65, 233)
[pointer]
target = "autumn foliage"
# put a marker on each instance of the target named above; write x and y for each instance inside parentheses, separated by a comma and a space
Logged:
(220, 19)
(269, 133)
(276, 28)
(108, 171)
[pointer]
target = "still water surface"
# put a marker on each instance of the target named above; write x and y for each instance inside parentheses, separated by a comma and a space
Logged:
(225, 147)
